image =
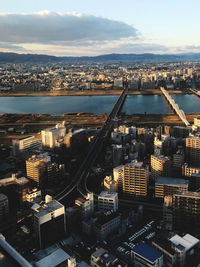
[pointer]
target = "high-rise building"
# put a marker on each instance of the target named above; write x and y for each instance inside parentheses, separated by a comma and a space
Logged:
(166, 186)
(26, 146)
(36, 168)
(75, 138)
(158, 146)
(178, 160)
(160, 166)
(186, 210)
(108, 201)
(193, 150)
(49, 222)
(4, 210)
(55, 173)
(168, 212)
(52, 137)
(135, 178)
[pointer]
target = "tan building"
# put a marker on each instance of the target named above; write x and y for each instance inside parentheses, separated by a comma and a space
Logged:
(118, 174)
(135, 178)
(166, 186)
(160, 166)
(36, 168)
(193, 150)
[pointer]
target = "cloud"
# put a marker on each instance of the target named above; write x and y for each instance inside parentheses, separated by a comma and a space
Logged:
(11, 47)
(47, 27)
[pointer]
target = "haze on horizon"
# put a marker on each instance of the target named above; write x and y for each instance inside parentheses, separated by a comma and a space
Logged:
(84, 28)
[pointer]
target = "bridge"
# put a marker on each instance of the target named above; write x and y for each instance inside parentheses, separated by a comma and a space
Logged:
(80, 178)
(12, 254)
(195, 91)
(175, 106)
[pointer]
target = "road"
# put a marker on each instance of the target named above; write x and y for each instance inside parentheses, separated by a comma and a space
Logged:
(80, 178)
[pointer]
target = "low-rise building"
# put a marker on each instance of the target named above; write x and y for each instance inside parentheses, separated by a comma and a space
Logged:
(146, 256)
(108, 201)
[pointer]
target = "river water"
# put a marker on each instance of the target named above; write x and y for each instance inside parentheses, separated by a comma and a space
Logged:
(134, 104)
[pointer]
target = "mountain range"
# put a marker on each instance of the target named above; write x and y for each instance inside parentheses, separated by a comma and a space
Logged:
(146, 57)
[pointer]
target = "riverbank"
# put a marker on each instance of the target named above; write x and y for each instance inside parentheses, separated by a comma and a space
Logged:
(36, 122)
(90, 92)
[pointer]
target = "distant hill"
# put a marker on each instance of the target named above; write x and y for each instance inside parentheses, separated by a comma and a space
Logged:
(147, 57)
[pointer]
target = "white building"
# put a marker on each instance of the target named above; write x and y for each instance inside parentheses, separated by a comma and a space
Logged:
(51, 137)
(108, 201)
(118, 82)
(86, 204)
(26, 145)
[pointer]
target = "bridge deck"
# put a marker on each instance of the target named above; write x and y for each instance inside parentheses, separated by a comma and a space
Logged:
(175, 106)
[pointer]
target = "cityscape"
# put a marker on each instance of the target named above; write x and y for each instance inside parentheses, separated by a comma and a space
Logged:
(99, 147)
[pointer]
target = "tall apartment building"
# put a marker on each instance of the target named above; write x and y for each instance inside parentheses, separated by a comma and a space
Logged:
(26, 146)
(188, 170)
(160, 166)
(108, 201)
(166, 186)
(36, 168)
(186, 210)
(178, 159)
(135, 178)
(168, 212)
(49, 222)
(158, 146)
(51, 137)
(193, 150)
(55, 173)
(4, 210)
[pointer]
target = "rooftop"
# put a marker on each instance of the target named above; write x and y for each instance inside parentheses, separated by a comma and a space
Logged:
(147, 252)
(188, 194)
(107, 194)
(160, 157)
(105, 218)
(54, 259)
(46, 208)
(165, 244)
(187, 241)
(172, 181)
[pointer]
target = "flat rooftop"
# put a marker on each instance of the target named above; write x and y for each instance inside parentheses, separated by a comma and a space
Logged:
(147, 252)
(106, 194)
(54, 259)
(188, 194)
(172, 181)
(187, 241)
(46, 208)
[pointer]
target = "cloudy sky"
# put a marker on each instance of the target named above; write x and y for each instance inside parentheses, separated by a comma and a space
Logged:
(93, 27)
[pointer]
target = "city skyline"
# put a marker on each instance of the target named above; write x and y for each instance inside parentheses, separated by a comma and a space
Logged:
(86, 28)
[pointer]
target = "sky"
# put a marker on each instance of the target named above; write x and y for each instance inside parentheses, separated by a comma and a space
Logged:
(94, 27)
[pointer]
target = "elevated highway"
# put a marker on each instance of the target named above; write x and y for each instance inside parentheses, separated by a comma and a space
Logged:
(80, 178)
(175, 106)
